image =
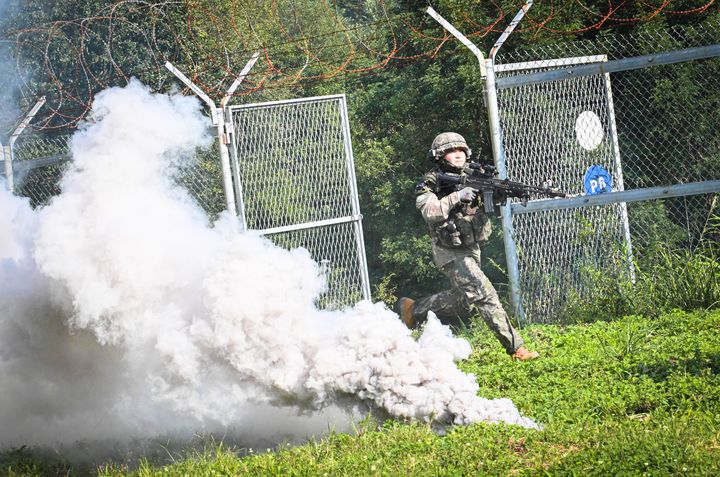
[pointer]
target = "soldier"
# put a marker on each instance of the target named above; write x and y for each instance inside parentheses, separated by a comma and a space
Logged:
(457, 226)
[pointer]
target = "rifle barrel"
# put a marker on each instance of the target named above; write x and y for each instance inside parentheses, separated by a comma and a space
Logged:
(508, 187)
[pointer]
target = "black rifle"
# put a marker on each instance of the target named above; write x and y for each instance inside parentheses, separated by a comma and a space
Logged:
(494, 191)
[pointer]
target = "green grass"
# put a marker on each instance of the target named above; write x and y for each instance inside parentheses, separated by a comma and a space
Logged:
(635, 396)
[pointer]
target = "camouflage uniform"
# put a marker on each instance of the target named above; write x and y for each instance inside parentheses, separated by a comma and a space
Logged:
(457, 229)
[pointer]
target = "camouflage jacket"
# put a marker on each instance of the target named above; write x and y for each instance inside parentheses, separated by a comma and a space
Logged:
(456, 228)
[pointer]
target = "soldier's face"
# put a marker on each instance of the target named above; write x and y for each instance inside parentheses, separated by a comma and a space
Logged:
(456, 157)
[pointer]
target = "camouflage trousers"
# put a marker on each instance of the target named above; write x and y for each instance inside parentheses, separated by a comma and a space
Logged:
(471, 293)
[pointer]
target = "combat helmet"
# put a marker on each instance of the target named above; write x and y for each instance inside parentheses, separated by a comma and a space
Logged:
(447, 141)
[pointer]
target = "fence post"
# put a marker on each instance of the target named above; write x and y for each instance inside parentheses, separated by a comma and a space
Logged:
(223, 129)
(9, 150)
(8, 167)
(230, 129)
(511, 257)
(219, 123)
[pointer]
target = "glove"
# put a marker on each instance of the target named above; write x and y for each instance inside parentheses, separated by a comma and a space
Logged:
(466, 195)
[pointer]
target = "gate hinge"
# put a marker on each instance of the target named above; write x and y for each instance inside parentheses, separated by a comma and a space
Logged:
(227, 136)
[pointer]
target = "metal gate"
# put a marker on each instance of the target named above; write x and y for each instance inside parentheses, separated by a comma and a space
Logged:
(294, 182)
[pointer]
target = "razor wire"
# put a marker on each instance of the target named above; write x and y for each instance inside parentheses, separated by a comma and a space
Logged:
(296, 184)
(307, 41)
(654, 126)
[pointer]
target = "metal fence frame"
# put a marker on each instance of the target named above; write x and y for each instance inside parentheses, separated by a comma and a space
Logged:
(323, 224)
(8, 151)
(571, 64)
(558, 253)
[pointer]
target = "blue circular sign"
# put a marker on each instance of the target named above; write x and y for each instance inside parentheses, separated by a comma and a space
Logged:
(597, 180)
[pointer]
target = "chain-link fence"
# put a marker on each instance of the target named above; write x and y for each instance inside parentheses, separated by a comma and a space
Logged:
(39, 160)
(295, 181)
(295, 168)
(652, 125)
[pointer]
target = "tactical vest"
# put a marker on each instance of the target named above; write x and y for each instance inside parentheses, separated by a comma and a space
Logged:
(466, 224)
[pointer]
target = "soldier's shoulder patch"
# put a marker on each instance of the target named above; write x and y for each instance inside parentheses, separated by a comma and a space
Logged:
(426, 184)
(421, 187)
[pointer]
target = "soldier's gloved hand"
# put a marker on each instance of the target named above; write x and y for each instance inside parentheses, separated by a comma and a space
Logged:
(466, 195)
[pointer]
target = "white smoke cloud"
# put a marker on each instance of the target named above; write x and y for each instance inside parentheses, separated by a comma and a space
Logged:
(124, 313)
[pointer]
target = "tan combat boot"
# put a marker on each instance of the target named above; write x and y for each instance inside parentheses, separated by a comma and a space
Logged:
(523, 354)
(404, 307)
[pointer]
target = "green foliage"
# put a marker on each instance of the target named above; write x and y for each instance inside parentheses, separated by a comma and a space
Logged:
(635, 396)
(680, 279)
(201, 176)
(652, 226)
(670, 279)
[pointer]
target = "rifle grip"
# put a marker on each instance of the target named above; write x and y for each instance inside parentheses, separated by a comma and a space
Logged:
(487, 198)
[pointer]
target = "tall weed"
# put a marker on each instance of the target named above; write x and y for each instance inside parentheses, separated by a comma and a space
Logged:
(666, 277)
(682, 278)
